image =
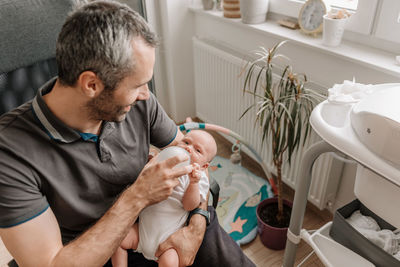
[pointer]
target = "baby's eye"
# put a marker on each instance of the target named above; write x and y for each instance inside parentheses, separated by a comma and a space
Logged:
(186, 142)
(198, 150)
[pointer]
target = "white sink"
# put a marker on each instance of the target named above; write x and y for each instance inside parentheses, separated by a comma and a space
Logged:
(335, 114)
(376, 121)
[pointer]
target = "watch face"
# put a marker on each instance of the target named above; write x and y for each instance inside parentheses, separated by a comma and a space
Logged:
(310, 18)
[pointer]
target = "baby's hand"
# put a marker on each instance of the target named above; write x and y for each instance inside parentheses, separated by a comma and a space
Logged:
(195, 175)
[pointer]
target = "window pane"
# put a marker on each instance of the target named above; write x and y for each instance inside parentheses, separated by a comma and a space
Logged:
(348, 4)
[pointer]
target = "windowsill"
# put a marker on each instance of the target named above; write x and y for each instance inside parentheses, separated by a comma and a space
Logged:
(374, 58)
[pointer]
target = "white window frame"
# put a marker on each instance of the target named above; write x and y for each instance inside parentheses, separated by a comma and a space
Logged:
(288, 8)
(363, 20)
(387, 24)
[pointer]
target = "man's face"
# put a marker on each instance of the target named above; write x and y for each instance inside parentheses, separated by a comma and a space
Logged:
(114, 104)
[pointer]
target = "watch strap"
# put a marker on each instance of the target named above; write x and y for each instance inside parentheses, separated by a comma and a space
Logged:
(202, 212)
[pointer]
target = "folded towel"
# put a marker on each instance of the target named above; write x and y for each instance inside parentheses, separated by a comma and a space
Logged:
(385, 239)
(357, 220)
(388, 240)
(349, 92)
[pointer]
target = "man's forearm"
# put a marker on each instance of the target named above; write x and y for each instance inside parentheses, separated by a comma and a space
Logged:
(95, 246)
(198, 222)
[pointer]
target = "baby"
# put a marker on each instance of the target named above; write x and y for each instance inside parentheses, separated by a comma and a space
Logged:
(157, 222)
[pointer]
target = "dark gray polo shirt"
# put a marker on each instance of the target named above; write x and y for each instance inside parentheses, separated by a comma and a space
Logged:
(45, 163)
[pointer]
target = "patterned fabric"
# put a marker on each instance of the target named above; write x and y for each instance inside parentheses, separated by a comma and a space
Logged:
(241, 191)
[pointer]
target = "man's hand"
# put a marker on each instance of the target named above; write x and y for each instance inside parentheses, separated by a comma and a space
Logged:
(157, 180)
(186, 241)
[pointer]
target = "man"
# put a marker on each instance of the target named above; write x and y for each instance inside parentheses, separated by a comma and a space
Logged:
(73, 161)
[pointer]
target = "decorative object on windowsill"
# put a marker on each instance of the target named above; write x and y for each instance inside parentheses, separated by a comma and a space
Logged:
(294, 25)
(208, 4)
(232, 9)
(282, 110)
(254, 11)
(311, 16)
(334, 24)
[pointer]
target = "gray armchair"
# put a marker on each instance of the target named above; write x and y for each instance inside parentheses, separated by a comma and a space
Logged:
(28, 34)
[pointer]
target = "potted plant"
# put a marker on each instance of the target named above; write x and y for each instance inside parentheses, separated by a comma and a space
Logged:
(283, 107)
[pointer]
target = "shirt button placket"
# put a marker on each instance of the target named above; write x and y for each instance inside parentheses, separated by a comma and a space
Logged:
(104, 153)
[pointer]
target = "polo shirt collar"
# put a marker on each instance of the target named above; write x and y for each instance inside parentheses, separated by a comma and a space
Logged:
(55, 128)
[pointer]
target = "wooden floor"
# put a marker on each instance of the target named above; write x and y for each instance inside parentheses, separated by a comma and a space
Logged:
(313, 219)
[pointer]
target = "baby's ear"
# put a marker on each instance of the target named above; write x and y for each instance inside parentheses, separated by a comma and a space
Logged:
(205, 166)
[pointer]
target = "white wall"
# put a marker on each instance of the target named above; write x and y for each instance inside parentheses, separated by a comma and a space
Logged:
(321, 67)
(174, 71)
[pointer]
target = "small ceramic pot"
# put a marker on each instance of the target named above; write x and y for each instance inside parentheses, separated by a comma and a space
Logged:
(208, 4)
(254, 11)
(333, 31)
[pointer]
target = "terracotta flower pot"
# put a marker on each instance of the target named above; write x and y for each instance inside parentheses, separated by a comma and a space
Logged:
(271, 237)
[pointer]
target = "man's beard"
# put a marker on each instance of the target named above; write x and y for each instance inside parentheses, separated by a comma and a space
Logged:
(103, 107)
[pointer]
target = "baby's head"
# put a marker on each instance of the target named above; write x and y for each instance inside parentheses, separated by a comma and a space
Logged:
(201, 147)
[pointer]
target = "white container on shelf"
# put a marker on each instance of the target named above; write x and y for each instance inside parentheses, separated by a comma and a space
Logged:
(333, 30)
(254, 11)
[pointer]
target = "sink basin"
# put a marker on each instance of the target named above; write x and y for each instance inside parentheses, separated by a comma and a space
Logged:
(376, 121)
(335, 114)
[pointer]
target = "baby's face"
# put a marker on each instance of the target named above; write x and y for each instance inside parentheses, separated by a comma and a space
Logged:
(199, 146)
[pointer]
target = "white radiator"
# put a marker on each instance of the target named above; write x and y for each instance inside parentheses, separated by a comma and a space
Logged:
(220, 100)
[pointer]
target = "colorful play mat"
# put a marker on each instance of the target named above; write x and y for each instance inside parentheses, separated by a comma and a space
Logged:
(240, 193)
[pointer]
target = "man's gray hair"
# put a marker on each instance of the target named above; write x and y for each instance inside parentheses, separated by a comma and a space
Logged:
(98, 37)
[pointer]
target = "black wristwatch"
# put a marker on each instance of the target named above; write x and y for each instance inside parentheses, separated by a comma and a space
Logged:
(205, 213)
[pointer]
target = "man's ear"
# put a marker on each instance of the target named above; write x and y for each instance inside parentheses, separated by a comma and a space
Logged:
(90, 84)
(205, 166)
